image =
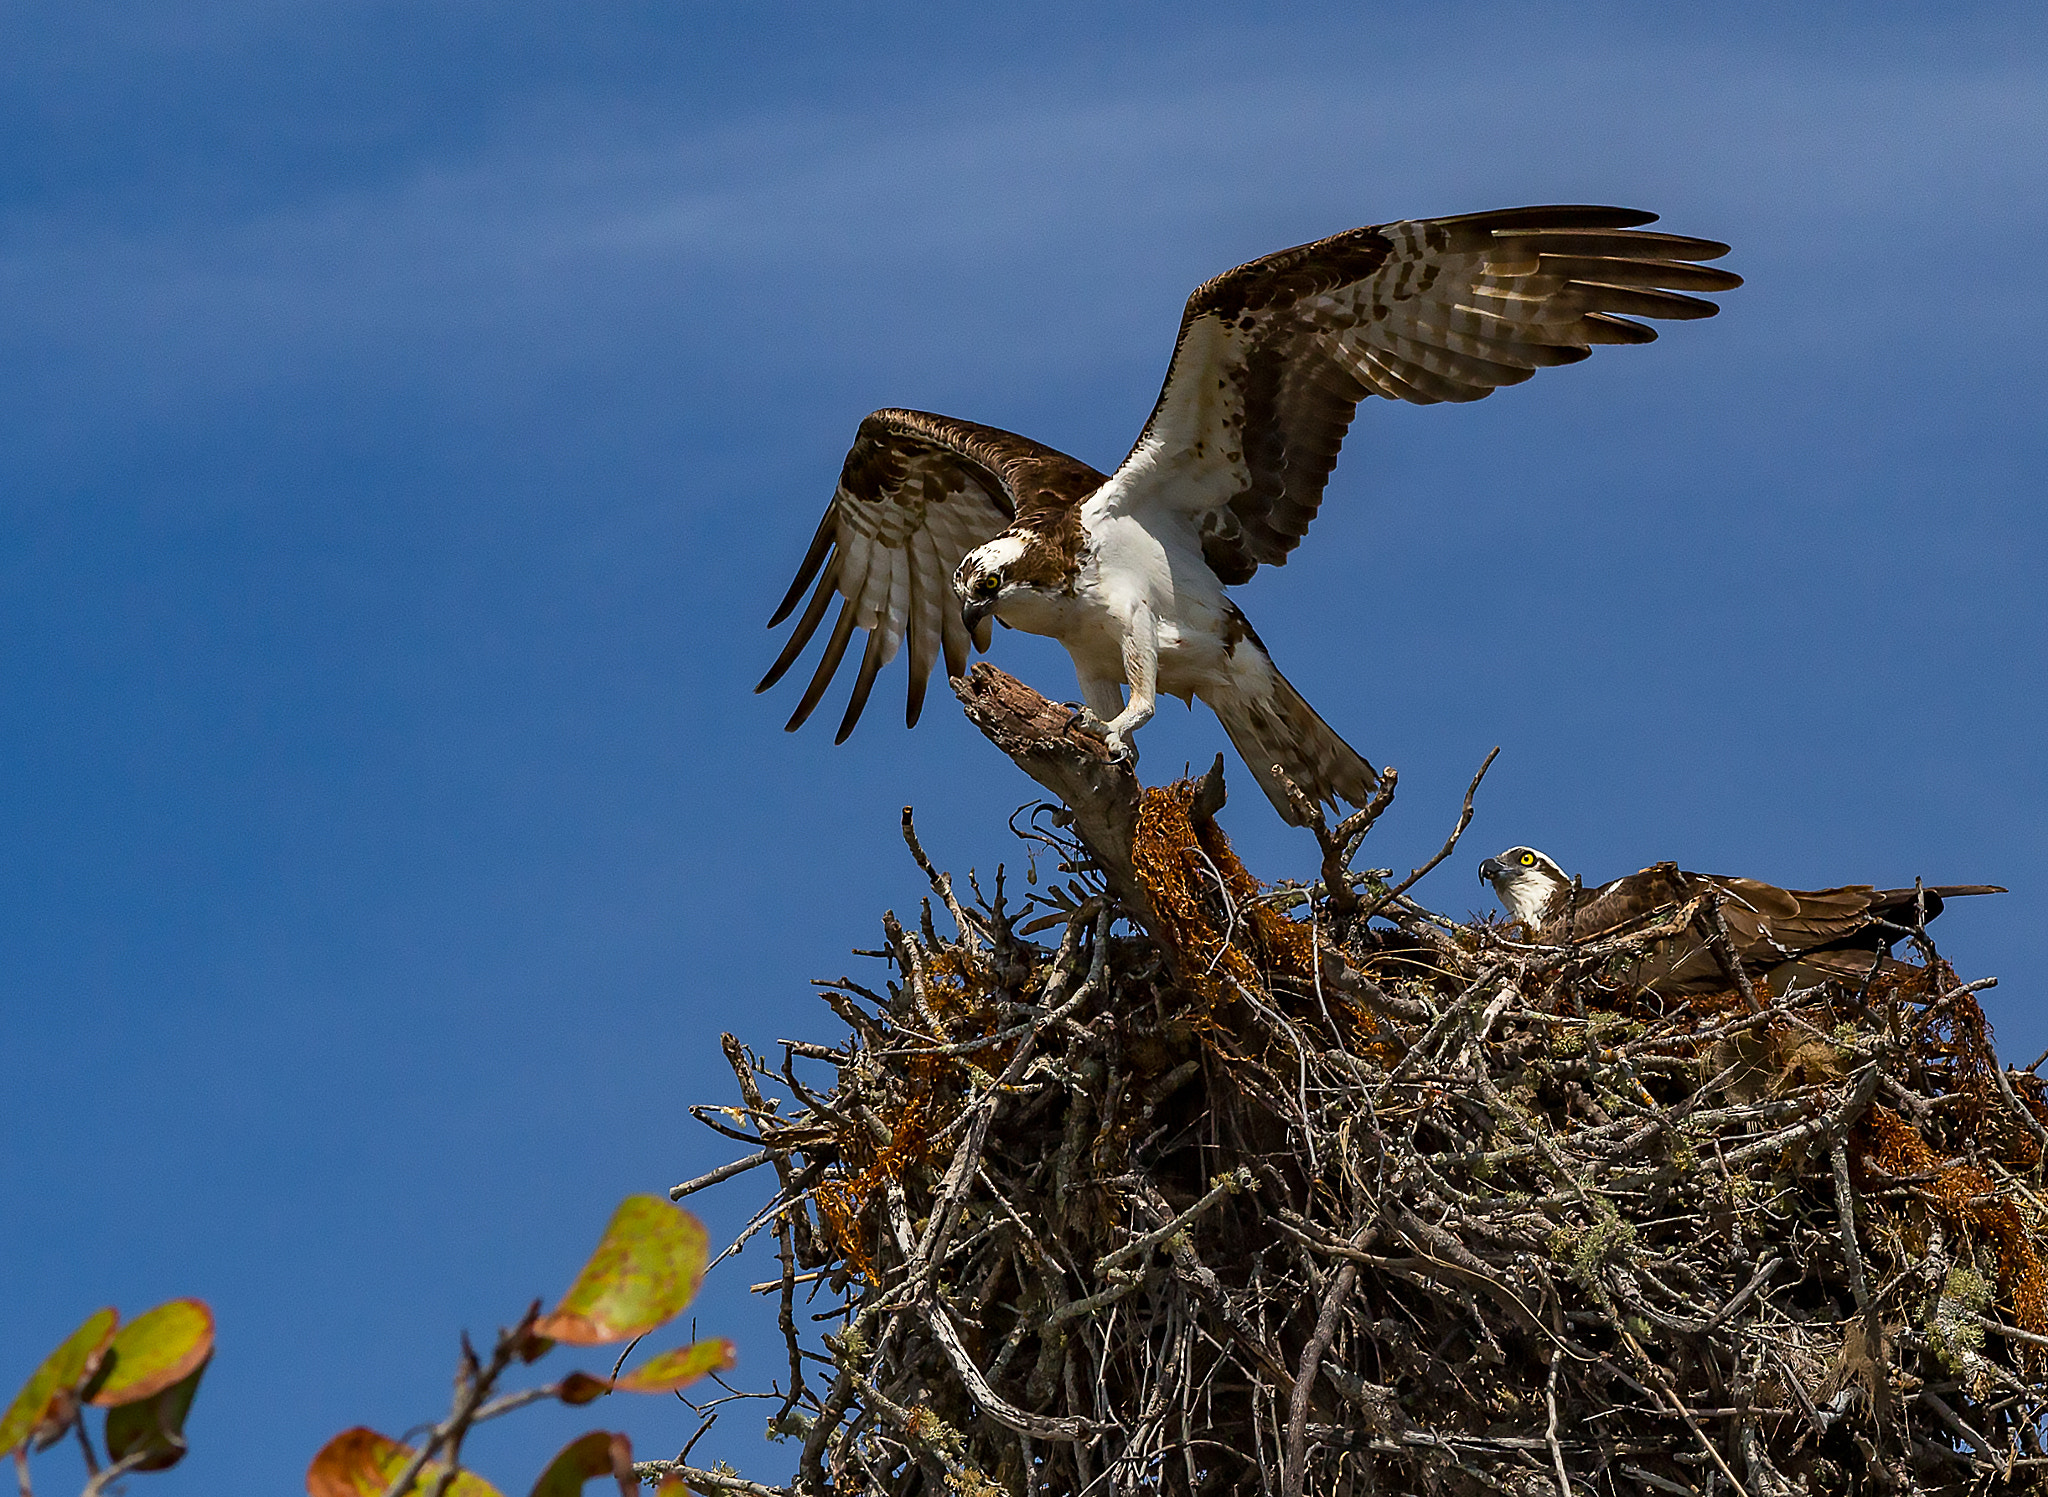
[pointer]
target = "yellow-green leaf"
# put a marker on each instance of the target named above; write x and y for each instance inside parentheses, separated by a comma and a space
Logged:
(679, 1368)
(154, 1351)
(362, 1463)
(155, 1424)
(599, 1453)
(645, 1271)
(663, 1374)
(49, 1396)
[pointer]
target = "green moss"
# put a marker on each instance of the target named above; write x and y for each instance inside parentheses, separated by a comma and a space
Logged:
(929, 1430)
(795, 1424)
(850, 1347)
(969, 1482)
(950, 1446)
(1584, 1251)
(1968, 1288)
(1612, 1028)
(1953, 1331)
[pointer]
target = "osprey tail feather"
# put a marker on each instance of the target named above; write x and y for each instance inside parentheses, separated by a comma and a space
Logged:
(1272, 724)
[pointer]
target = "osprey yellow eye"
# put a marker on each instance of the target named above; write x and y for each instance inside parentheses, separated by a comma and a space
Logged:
(988, 585)
(1528, 860)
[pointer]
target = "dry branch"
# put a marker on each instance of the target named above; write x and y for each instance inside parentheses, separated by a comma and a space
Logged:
(1243, 1203)
(1098, 790)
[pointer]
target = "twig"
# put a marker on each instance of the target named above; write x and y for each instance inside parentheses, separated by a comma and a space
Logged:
(696, 1478)
(473, 1387)
(1232, 1184)
(1294, 1472)
(135, 1460)
(1580, 1182)
(1450, 842)
(723, 1172)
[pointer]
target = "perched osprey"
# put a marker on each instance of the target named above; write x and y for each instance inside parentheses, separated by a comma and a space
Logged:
(939, 524)
(1804, 933)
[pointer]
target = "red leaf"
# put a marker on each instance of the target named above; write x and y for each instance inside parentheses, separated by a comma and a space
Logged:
(362, 1463)
(581, 1388)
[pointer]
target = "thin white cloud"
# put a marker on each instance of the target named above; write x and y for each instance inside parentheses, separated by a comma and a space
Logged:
(844, 233)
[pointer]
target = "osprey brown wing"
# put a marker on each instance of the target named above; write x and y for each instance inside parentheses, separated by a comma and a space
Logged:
(1903, 906)
(1836, 932)
(1766, 922)
(1611, 906)
(1274, 356)
(916, 494)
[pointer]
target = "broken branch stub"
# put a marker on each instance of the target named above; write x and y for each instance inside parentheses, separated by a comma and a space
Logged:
(1099, 790)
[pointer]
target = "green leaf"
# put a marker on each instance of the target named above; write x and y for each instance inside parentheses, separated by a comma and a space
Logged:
(362, 1463)
(645, 1271)
(679, 1368)
(599, 1453)
(48, 1402)
(154, 1351)
(155, 1424)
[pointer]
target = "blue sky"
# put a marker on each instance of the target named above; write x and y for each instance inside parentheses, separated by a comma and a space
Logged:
(410, 413)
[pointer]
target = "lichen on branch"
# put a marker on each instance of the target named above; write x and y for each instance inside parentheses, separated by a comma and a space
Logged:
(1159, 1179)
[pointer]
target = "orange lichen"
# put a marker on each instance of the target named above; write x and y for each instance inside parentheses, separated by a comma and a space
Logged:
(1195, 882)
(870, 1164)
(1968, 1200)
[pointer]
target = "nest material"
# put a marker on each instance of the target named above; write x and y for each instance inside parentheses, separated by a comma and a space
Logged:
(1261, 1203)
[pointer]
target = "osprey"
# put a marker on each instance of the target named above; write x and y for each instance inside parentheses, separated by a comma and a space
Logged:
(938, 524)
(1808, 934)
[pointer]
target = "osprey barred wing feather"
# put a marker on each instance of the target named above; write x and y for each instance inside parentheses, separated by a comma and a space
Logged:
(917, 493)
(1129, 572)
(1274, 356)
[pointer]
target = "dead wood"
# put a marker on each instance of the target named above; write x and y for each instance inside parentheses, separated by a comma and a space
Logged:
(1194, 1197)
(1097, 790)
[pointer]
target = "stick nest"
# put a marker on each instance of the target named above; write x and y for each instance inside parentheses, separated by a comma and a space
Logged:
(1312, 1190)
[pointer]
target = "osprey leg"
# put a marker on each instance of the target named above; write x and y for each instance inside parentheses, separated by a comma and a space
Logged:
(1102, 700)
(1141, 670)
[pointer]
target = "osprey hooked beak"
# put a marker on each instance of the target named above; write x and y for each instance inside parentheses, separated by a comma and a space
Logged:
(978, 608)
(1525, 879)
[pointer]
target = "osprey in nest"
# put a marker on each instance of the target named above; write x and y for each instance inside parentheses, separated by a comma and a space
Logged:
(1783, 935)
(939, 525)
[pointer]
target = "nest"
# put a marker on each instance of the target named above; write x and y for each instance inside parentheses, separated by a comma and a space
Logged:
(1310, 1189)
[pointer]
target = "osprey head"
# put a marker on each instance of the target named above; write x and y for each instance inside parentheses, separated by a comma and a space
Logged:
(983, 582)
(1525, 880)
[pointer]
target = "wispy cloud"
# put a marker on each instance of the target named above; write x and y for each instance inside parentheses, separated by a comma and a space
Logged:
(821, 235)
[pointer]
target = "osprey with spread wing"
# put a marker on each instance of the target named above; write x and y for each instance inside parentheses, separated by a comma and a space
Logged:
(938, 525)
